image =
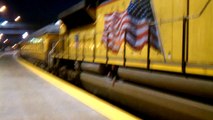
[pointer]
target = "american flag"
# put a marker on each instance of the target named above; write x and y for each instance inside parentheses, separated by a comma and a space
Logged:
(131, 25)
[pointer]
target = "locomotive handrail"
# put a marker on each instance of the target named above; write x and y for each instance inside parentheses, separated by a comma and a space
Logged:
(53, 48)
(185, 17)
(52, 51)
(201, 12)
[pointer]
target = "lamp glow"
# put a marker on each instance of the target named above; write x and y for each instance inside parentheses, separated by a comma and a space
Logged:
(3, 8)
(25, 35)
(14, 46)
(5, 41)
(4, 23)
(17, 18)
(1, 35)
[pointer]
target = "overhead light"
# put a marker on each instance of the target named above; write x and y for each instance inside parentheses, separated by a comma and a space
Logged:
(5, 41)
(25, 35)
(3, 8)
(17, 18)
(1, 35)
(4, 23)
(14, 46)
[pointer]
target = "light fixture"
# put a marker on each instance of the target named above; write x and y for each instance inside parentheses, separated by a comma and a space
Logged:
(1, 35)
(14, 46)
(25, 35)
(3, 8)
(5, 41)
(17, 18)
(4, 23)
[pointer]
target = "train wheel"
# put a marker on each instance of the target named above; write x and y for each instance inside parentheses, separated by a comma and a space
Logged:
(73, 77)
(112, 74)
(62, 73)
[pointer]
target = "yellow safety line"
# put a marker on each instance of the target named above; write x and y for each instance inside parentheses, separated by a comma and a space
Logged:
(99, 105)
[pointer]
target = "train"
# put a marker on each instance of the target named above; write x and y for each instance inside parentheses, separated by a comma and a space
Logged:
(153, 56)
(38, 45)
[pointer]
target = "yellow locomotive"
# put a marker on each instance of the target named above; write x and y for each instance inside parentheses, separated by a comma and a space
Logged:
(153, 56)
(169, 18)
(38, 45)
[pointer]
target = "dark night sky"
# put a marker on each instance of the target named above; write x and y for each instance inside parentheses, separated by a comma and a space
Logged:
(37, 11)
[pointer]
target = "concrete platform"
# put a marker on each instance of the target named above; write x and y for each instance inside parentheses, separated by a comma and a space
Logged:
(25, 95)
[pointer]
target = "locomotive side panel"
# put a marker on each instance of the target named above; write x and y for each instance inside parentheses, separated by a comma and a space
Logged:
(39, 47)
(169, 16)
(101, 51)
(119, 7)
(89, 45)
(170, 24)
(72, 50)
(200, 57)
(81, 43)
(107, 51)
(65, 47)
(34, 48)
(94, 42)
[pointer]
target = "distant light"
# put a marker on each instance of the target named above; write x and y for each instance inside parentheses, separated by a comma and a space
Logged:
(3, 8)
(17, 18)
(14, 46)
(58, 22)
(25, 35)
(4, 23)
(5, 41)
(1, 35)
